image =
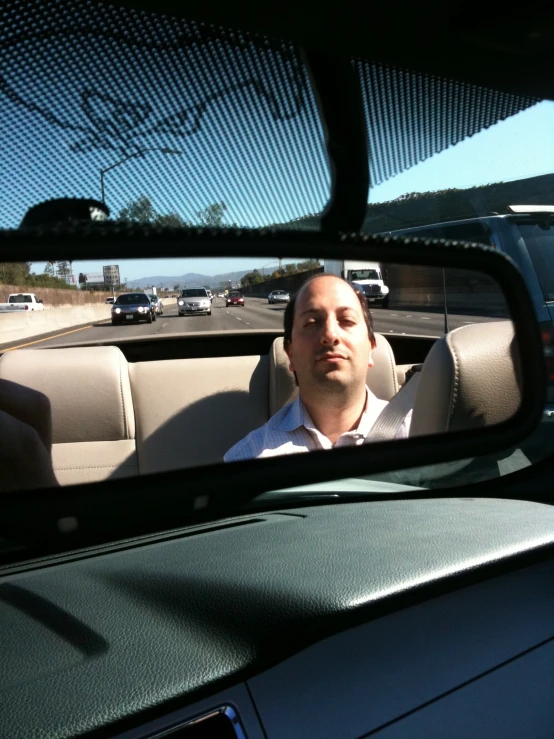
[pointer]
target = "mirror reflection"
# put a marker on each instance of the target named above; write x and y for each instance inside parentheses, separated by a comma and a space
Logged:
(154, 365)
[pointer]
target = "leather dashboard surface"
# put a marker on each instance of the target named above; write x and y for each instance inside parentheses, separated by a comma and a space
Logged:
(90, 642)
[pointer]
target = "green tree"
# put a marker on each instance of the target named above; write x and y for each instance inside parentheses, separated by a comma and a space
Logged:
(291, 269)
(141, 210)
(212, 215)
(49, 269)
(173, 220)
(14, 273)
(176, 287)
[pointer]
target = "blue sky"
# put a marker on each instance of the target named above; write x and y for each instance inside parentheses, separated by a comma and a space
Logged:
(521, 146)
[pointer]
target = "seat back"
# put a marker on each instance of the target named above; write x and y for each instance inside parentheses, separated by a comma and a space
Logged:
(382, 378)
(93, 423)
(469, 379)
(190, 412)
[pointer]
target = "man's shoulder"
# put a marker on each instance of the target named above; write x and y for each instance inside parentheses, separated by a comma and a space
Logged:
(264, 438)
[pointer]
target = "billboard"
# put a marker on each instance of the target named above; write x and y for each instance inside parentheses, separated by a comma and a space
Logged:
(111, 274)
(95, 278)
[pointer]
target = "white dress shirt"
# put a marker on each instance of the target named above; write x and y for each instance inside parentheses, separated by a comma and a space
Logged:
(291, 430)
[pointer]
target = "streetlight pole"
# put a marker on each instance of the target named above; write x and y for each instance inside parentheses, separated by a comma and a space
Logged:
(103, 170)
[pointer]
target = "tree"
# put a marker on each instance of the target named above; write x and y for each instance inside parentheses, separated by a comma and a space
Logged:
(49, 269)
(173, 220)
(212, 215)
(290, 269)
(141, 210)
(14, 273)
(176, 287)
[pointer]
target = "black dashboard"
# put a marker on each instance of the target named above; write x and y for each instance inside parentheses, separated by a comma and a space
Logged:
(416, 618)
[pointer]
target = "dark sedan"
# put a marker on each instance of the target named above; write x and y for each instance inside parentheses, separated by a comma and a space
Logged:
(131, 308)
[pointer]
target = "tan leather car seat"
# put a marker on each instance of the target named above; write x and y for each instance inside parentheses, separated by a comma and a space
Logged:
(190, 412)
(93, 423)
(469, 379)
(382, 379)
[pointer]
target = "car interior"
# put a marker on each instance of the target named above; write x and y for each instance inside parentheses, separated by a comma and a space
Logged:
(160, 593)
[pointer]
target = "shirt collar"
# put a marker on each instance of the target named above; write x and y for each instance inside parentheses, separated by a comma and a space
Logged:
(295, 414)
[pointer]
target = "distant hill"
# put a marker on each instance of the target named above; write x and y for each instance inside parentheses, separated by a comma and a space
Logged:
(191, 279)
(421, 208)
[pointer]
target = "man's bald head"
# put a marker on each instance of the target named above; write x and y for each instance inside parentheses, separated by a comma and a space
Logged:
(291, 305)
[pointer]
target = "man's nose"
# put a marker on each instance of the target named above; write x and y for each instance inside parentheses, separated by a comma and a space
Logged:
(329, 334)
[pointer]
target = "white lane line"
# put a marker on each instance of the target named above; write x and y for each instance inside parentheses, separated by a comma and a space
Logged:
(424, 318)
(409, 316)
(165, 324)
(238, 319)
(391, 331)
(394, 314)
(403, 334)
(247, 323)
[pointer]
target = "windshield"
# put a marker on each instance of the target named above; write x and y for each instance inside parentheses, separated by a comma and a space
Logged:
(132, 299)
(153, 298)
(539, 240)
(365, 274)
(194, 294)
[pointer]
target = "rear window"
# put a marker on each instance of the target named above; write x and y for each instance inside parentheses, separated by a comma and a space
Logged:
(20, 299)
(539, 239)
(132, 299)
(365, 274)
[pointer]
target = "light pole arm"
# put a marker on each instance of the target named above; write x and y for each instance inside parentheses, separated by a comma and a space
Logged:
(103, 170)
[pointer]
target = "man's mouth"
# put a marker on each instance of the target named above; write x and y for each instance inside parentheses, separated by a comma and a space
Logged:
(331, 357)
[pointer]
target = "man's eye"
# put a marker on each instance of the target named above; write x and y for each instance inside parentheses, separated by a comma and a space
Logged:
(348, 321)
(310, 322)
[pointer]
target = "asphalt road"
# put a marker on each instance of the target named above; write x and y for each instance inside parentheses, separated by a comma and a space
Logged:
(256, 314)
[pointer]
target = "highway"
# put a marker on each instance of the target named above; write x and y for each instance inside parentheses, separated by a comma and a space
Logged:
(256, 314)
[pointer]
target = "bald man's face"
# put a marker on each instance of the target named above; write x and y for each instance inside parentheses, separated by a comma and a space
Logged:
(330, 348)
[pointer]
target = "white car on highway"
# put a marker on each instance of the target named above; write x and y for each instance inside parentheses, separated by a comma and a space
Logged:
(194, 300)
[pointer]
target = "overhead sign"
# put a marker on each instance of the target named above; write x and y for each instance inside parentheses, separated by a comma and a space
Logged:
(111, 274)
(96, 278)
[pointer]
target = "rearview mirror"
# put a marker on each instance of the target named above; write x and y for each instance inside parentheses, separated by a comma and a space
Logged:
(455, 335)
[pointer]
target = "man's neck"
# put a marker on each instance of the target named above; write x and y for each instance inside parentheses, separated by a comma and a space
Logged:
(334, 416)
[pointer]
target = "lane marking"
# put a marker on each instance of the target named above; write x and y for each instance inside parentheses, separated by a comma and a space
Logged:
(424, 318)
(394, 314)
(391, 331)
(51, 338)
(165, 324)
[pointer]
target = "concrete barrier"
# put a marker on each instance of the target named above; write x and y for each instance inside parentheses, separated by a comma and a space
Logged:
(17, 326)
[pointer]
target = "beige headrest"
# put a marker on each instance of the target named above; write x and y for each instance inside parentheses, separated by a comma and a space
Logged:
(88, 389)
(381, 379)
(469, 379)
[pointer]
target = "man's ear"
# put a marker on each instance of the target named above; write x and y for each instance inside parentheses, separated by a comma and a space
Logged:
(371, 361)
(286, 345)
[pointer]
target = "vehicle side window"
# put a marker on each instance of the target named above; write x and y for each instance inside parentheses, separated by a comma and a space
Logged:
(478, 233)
